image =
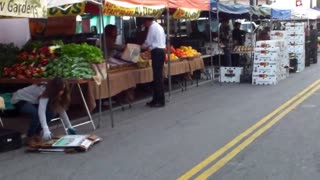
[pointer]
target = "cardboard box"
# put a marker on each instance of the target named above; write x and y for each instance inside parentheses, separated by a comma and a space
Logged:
(295, 29)
(294, 42)
(230, 74)
(294, 36)
(298, 56)
(267, 67)
(271, 44)
(294, 24)
(278, 35)
(272, 53)
(67, 143)
(301, 67)
(264, 79)
(296, 49)
(258, 59)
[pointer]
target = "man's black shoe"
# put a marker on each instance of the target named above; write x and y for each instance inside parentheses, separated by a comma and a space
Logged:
(150, 103)
(157, 105)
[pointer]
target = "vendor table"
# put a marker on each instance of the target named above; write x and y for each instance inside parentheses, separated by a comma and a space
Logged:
(124, 80)
(247, 52)
(77, 82)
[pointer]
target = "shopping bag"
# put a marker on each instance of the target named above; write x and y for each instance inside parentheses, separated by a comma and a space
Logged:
(131, 53)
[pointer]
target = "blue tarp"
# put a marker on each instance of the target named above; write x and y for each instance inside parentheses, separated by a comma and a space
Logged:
(213, 4)
(230, 8)
(234, 8)
(244, 11)
(280, 14)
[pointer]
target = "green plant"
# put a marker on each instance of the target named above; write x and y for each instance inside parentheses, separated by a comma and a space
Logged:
(8, 56)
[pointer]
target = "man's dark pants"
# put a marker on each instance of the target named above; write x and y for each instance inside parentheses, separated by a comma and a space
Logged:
(158, 57)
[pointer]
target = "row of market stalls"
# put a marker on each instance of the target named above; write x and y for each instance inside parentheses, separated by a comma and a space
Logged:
(111, 79)
(262, 12)
(37, 63)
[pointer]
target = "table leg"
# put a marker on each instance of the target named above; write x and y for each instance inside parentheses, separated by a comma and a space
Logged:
(87, 109)
(1, 122)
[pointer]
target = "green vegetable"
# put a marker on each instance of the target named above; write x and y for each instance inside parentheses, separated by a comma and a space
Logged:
(8, 56)
(32, 45)
(69, 67)
(90, 54)
(56, 43)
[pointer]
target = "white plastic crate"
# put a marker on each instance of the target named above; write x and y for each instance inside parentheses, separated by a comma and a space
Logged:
(230, 74)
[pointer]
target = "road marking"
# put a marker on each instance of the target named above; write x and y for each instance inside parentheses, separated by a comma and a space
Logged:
(244, 134)
(214, 168)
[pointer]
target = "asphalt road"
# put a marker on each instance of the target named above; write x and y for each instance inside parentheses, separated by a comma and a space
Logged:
(165, 143)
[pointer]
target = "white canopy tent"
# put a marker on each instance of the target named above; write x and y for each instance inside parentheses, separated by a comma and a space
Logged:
(305, 13)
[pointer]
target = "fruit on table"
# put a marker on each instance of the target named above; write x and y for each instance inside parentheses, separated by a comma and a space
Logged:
(22, 71)
(186, 51)
(173, 57)
(145, 55)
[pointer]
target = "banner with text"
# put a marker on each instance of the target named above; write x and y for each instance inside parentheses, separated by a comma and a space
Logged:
(126, 9)
(24, 8)
(73, 10)
(184, 13)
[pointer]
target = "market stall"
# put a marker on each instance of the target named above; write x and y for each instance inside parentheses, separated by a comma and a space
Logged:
(38, 62)
(241, 51)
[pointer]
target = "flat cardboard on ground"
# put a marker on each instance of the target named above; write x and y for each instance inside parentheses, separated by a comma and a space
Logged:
(68, 144)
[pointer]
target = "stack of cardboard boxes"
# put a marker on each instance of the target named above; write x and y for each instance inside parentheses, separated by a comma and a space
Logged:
(284, 56)
(296, 43)
(269, 64)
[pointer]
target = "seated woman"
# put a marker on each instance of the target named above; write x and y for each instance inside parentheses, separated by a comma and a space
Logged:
(41, 103)
(110, 35)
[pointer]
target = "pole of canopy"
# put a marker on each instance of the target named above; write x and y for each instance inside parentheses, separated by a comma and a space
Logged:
(103, 44)
(252, 43)
(211, 47)
(168, 51)
(219, 40)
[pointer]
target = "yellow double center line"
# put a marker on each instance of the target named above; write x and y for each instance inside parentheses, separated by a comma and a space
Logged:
(255, 130)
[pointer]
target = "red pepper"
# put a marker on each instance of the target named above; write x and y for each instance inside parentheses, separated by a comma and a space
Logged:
(44, 62)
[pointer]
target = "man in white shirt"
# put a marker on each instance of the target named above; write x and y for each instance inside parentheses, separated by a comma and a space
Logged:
(156, 43)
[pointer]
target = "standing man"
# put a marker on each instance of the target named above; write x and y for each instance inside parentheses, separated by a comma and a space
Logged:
(238, 36)
(156, 43)
(226, 40)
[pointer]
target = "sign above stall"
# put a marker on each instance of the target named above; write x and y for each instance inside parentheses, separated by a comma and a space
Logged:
(67, 10)
(185, 13)
(127, 9)
(24, 8)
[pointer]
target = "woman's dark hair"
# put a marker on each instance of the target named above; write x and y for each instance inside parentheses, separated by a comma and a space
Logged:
(57, 101)
(108, 29)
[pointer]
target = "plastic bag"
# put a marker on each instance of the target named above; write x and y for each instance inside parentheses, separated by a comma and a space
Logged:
(131, 53)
